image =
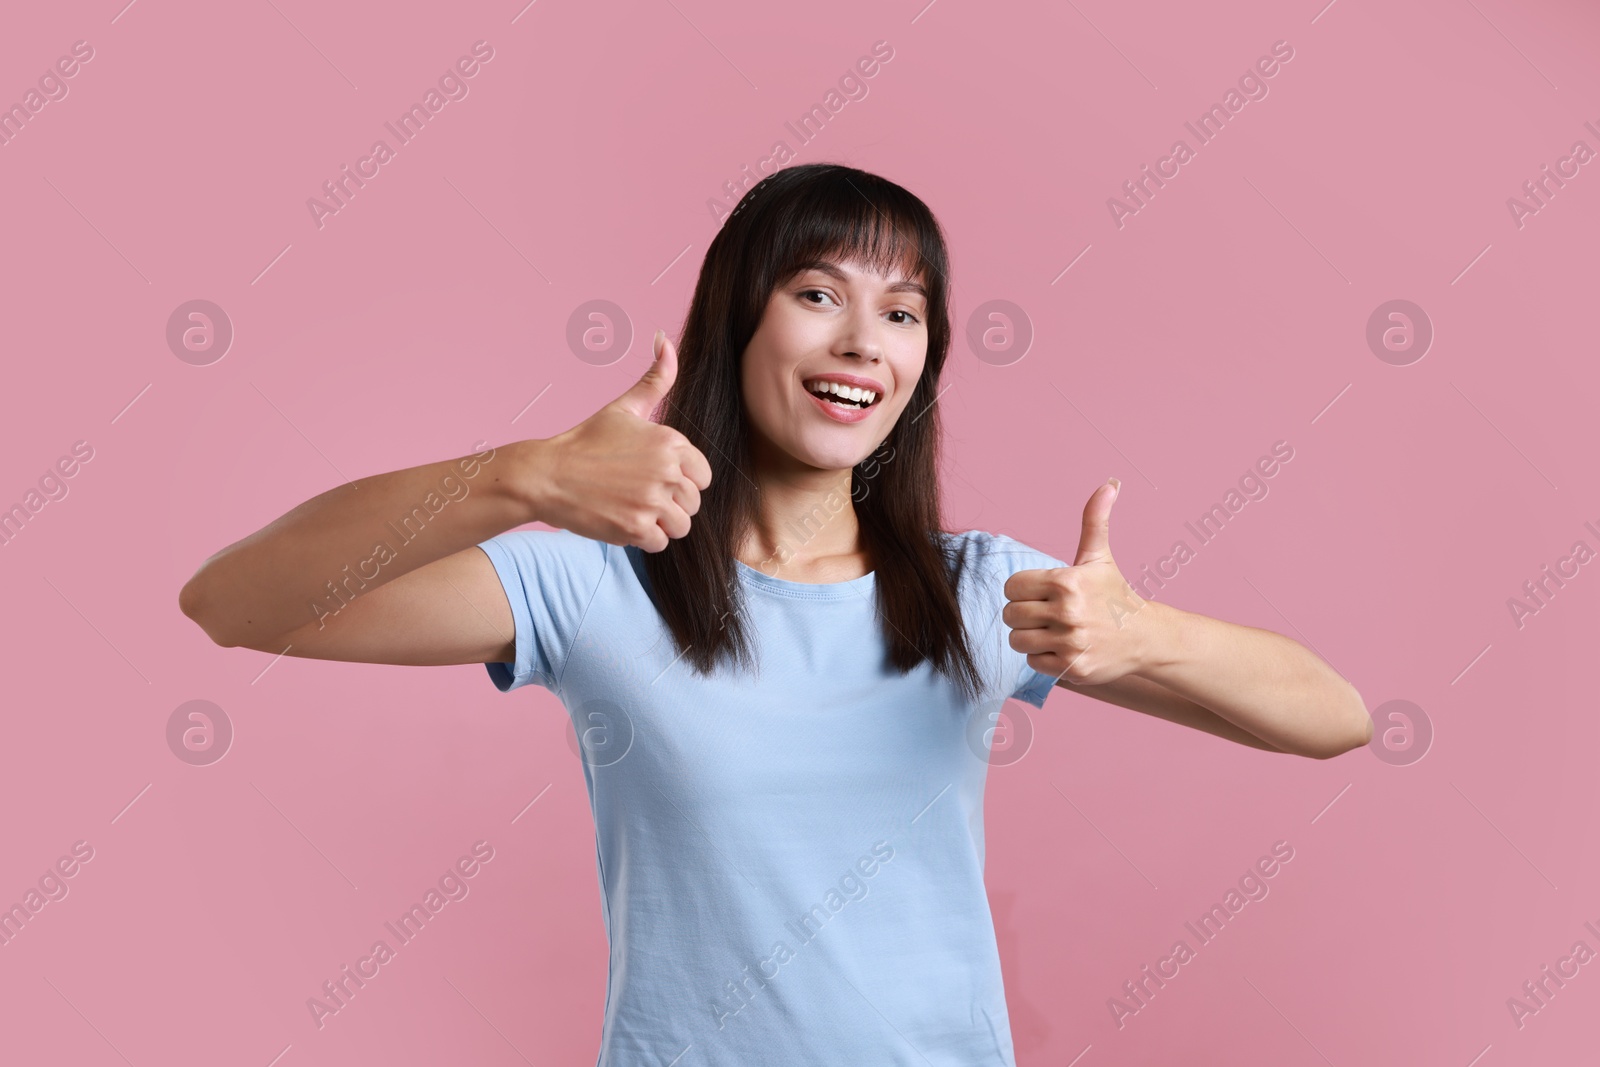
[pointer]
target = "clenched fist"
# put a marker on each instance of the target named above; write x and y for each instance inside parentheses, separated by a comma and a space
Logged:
(1079, 622)
(620, 477)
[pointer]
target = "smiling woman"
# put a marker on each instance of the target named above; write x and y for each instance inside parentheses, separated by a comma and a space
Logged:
(746, 728)
(823, 274)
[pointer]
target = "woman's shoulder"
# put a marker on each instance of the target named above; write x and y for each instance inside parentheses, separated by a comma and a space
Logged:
(550, 552)
(553, 539)
(995, 554)
(993, 545)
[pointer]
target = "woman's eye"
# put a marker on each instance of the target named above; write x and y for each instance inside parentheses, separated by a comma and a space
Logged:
(806, 294)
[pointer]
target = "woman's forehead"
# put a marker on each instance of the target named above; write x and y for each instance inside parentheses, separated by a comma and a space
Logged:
(846, 266)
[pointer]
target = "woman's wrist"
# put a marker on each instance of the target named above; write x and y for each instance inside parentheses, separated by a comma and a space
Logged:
(528, 484)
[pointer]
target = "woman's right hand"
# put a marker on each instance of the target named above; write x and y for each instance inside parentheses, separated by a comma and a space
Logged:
(621, 478)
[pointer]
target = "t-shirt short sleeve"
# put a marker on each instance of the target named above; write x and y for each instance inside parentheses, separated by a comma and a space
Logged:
(1005, 557)
(550, 578)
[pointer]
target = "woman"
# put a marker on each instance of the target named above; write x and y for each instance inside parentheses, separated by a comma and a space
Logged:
(781, 668)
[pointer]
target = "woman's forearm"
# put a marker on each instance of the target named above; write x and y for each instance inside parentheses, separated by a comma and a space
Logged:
(1258, 680)
(306, 564)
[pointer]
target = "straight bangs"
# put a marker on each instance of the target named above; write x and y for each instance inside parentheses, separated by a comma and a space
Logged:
(841, 215)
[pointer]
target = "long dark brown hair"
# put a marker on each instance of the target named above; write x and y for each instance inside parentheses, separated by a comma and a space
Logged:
(801, 214)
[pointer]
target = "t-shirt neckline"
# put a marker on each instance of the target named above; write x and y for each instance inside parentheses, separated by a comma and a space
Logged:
(813, 590)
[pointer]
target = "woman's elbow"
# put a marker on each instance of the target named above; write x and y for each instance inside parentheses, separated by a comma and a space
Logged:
(193, 602)
(1352, 729)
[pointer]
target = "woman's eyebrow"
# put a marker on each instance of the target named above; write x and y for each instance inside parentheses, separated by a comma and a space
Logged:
(823, 266)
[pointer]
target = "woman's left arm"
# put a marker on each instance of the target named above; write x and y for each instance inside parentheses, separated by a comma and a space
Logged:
(1260, 681)
(1085, 625)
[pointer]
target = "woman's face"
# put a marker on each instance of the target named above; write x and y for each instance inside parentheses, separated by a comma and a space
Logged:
(837, 322)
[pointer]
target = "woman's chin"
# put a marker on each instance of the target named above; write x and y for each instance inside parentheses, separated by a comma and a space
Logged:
(830, 458)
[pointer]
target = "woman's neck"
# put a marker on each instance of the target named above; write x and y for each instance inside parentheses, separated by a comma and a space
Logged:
(805, 527)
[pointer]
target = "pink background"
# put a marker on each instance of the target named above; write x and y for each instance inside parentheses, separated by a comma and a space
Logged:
(1229, 313)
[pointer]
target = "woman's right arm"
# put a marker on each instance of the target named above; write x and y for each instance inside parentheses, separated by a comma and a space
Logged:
(315, 582)
(333, 578)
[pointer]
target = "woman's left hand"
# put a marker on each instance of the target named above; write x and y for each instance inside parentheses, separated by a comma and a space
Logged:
(1081, 623)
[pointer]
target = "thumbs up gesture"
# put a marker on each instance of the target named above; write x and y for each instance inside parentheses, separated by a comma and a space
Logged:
(620, 477)
(1079, 622)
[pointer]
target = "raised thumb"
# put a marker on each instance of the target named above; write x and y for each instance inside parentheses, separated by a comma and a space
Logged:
(1094, 543)
(645, 394)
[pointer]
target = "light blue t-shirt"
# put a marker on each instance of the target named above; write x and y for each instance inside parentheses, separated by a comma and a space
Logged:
(790, 861)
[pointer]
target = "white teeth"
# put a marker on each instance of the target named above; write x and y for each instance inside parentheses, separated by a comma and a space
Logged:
(845, 391)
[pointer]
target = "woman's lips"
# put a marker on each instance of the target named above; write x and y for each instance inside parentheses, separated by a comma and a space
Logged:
(840, 413)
